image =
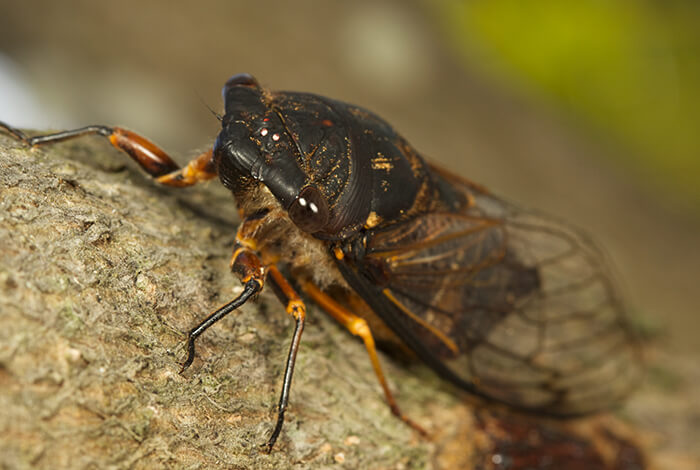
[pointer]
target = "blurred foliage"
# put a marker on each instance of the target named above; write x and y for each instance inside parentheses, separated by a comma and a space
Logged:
(628, 67)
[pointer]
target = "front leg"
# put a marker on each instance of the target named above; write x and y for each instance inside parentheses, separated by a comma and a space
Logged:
(151, 158)
(246, 264)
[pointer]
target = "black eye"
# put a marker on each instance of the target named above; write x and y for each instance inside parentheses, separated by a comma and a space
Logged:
(309, 210)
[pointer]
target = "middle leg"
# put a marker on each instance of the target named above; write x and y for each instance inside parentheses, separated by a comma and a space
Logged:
(295, 307)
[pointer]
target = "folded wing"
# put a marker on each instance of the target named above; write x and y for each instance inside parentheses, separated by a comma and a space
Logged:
(509, 304)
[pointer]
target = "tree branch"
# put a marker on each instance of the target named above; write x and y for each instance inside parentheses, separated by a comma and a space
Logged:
(101, 275)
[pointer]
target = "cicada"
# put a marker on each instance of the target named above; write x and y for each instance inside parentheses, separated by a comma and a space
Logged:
(337, 207)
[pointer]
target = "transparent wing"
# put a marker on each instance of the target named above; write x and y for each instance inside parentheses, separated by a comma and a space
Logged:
(508, 303)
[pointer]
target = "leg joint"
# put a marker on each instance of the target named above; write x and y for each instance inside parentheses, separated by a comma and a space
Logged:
(247, 266)
(296, 308)
(358, 326)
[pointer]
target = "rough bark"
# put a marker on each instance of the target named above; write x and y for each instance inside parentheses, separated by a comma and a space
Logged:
(102, 272)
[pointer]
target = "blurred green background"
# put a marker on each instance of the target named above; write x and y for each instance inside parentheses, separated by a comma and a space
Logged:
(627, 68)
(585, 109)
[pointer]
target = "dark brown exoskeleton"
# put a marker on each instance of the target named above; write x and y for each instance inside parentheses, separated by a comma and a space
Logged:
(508, 304)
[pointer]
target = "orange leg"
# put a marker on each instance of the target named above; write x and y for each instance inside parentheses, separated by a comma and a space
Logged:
(296, 308)
(358, 326)
(149, 156)
(201, 168)
(247, 230)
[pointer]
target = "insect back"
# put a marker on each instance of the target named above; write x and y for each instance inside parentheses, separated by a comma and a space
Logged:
(348, 163)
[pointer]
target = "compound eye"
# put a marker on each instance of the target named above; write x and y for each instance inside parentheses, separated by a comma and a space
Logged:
(309, 210)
